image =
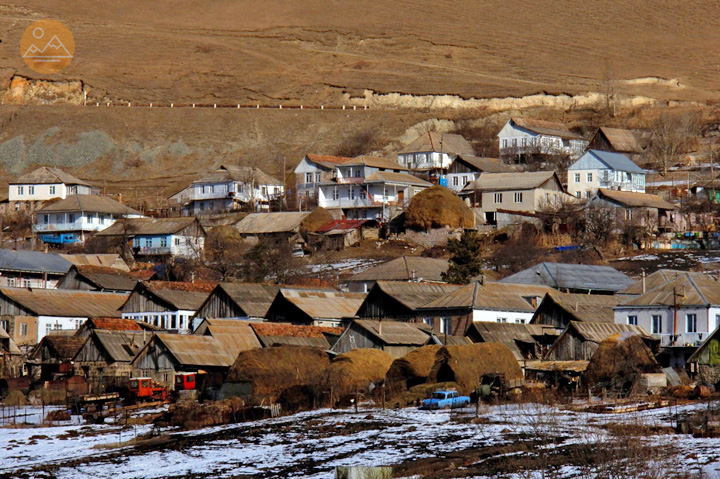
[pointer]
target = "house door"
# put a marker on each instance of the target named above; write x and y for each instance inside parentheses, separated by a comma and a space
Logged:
(401, 197)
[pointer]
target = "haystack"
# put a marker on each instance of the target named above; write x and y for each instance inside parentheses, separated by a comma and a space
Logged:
(270, 371)
(356, 370)
(317, 218)
(410, 370)
(618, 360)
(466, 365)
(437, 207)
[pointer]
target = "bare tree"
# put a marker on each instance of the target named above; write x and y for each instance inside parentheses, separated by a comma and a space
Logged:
(674, 134)
(599, 223)
(225, 252)
(609, 80)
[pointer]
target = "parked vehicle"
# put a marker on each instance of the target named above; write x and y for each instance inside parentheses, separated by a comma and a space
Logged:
(445, 400)
(145, 389)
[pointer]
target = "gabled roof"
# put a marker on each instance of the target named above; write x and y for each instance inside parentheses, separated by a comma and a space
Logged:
(32, 261)
(658, 278)
(598, 332)
(395, 333)
(622, 140)
(375, 162)
(178, 295)
(107, 279)
(121, 346)
(508, 334)
(584, 307)
(324, 304)
(688, 290)
(328, 161)
(549, 128)
(406, 268)
(525, 180)
(629, 199)
(703, 354)
(67, 303)
(492, 296)
(62, 347)
(484, 165)
(280, 222)
(614, 161)
(398, 178)
(345, 225)
(110, 260)
(253, 298)
(90, 204)
(194, 350)
(233, 335)
(243, 174)
(584, 277)
(414, 295)
(113, 324)
(149, 226)
(439, 142)
(46, 175)
(271, 334)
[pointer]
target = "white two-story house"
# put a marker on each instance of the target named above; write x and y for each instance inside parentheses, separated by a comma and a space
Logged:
(522, 136)
(369, 188)
(467, 168)
(230, 188)
(160, 237)
(602, 169)
(70, 220)
(310, 173)
(47, 183)
(430, 155)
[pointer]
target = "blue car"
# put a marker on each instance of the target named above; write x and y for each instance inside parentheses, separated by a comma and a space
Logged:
(445, 400)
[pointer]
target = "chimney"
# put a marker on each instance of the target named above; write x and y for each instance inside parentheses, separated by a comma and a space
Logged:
(380, 327)
(120, 198)
(482, 280)
(643, 281)
(412, 274)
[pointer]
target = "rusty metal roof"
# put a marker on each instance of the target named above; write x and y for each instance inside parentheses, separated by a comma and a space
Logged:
(109, 260)
(254, 299)
(415, 295)
(324, 304)
(394, 332)
(295, 335)
(492, 296)
(179, 295)
(598, 332)
(195, 350)
(113, 324)
(658, 278)
(68, 303)
(406, 268)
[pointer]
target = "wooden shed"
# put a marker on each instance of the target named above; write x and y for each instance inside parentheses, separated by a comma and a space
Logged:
(580, 340)
(394, 337)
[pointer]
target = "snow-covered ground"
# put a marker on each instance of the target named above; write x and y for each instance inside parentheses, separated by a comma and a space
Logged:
(311, 444)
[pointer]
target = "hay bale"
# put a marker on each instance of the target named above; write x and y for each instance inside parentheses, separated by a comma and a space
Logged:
(410, 370)
(618, 360)
(437, 207)
(272, 370)
(356, 370)
(466, 365)
(317, 218)
(15, 398)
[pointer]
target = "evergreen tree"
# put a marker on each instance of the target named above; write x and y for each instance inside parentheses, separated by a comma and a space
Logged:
(465, 261)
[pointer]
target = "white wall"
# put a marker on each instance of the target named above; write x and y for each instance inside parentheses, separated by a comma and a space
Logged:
(489, 316)
(644, 320)
(57, 323)
(164, 320)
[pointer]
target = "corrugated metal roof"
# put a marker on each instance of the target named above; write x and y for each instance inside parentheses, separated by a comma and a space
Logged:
(492, 296)
(485, 165)
(149, 226)
(689, 290)
(614, 161)
(395, 332)
(32, 261)
(327, 160)
(551, 128)
(89, 204)
(122, 346)
(344, 224)
(325, 304)
(452, 340)
(623, 140)
(406, 268)
(280, 222)
(635, 200)
(114, 324)
(506, 333)
(244, 174)
(107, 278)
(433, 141)
(181, 295)
(294, 335)
(414, 295)
(107, 260)
(658, 278)
(586, 307)
(375, 162)
(524, 180)
(65, 347)
(68, 303)
(195, 350)
(598, 332)
(572, 276)
(253, 298)
(574, 366)
(396, 178)
(46, 175)
(233, 335)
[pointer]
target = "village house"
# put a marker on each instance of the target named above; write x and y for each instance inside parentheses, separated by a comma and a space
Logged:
(467, 168)
(654, 280)
(98, 278)
(31, 269)
(157, 238)
(230, 188)
(289, 226)
(340, 234)
(11, 357)
(54, 309)
(430, 155)
(573, 278)
(46, 183)
(314, 307)
(53, 355)
(704, 363)
(642, 210)
(399, 300)
(232, 335)
(167, 305)
(310, 173)
(580, 340)
(282, 334)
(70, 220)
(113, 324)
(23, 330)
(106, 260)
(523, 136)
(602, 169)
(417, 269)
(369, 188)
(395, 338)
(506, 198)
(246, 301)
(518, 337)
(558, 310)
(619, 140)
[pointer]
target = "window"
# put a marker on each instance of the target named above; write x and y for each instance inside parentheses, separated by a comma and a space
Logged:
(318, 177)
(464, 180)
(498, 198)
(691, 323)
(46, 219)
(589, 177)
(52, 190)
(628, 215)
(429, 321)
(352, 193)
(518, 197)
(456, 180)
(524, 142)
(136, 242)
(632, 320)
(656, 324)
(177, 241)
(578, 194)
(23, 329)
(445, 325)
(148, 242)
(48, 329)
(11, 282)
(502, 320)
(519, 321)
(505, 143)
(308, 177)
(31, 190)
(71, 218)
(363, 193)
(27, 283)
(20, 190)
(717, 321)
(163, 242)
(514, 142)
(78, 323)
(587, 194)
(336, 194)
(577, 177)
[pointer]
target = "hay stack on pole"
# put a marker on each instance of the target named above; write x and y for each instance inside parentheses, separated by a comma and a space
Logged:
(438, 207)
(268, 372)
(466, 365)
(618, 361)
(356, 370)
(410, 370)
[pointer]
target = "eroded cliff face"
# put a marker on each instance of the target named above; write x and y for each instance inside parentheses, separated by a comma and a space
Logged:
(18, 90)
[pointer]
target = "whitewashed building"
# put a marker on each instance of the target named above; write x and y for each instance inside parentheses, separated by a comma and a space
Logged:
(522, 136)
(467, 168)
(602, 169)
(160, 237)
(47, 183)
(431, 154)
(310, 173)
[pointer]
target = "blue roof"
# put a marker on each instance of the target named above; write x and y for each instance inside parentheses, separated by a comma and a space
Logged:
(614, 161)
(33, 261)
(573, 276)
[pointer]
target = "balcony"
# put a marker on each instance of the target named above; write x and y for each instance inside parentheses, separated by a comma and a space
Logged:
(682, 339)
(349, 180)
(152, 250)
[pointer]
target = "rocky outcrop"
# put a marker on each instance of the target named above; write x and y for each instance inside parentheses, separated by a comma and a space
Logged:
(25, 91)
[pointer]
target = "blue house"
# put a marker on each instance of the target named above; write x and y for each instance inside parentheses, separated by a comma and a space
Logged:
(603, 169)
(160, 237)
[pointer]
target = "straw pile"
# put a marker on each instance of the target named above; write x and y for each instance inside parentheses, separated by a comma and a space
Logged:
(270, 371)
(317, 218)
(410, 370)
(356, 370)
(437, 207)
(465, 365)
(617, 361)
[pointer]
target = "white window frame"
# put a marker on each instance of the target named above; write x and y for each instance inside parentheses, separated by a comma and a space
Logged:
(656, 324)
(498, 198)
(577, 177)
(691, 323)
(518, 197)
(632, 319)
